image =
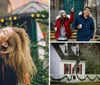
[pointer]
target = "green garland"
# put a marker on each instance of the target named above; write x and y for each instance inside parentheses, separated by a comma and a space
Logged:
(90, 78)
(98, 77)
(69, 79)
(74, 77)
(80, 78)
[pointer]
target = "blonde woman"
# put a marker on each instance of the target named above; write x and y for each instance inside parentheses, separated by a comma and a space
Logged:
(16, 65)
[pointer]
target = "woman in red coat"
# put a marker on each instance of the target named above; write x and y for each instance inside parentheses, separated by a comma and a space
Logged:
(62, 26)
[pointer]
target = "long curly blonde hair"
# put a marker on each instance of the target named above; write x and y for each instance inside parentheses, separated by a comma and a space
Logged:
(19, 58)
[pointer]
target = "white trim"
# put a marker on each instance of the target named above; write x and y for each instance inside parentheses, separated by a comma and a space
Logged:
(71, 61)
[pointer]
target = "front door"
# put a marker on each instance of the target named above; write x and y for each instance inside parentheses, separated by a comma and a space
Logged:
(77, 4)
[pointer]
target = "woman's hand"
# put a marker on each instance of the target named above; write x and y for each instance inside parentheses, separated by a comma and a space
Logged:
(55, 28)
(72, 10)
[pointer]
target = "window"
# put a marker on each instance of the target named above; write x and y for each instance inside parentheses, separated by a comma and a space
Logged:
(79, 69)
(67, 68)
(54, 4)
(75, 49)
(66, 50)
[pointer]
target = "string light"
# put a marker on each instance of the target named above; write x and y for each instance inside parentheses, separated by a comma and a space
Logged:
(2, 20)
(43, 16)
(10, 18)
(38, 15)
(32, 15)
(15, 18)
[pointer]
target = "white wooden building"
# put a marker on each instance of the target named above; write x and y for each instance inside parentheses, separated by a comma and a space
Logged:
(63, 58)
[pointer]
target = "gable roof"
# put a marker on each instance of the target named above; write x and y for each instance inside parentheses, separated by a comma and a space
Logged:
(31, 7)
(70, 56)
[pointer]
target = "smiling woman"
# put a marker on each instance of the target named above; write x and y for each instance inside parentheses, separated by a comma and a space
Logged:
(5, 33)
(16, 65)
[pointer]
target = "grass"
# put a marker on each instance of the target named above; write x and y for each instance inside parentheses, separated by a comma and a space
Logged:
(78, 84)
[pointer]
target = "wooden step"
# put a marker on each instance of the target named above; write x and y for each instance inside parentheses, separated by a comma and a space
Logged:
(52, 31)
(74, 34)
(52, 34)
(74, 37)
(74, 31)
(52, 37)
(97, 37)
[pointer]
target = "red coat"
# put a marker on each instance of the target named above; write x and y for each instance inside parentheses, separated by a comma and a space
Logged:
(67, 26)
